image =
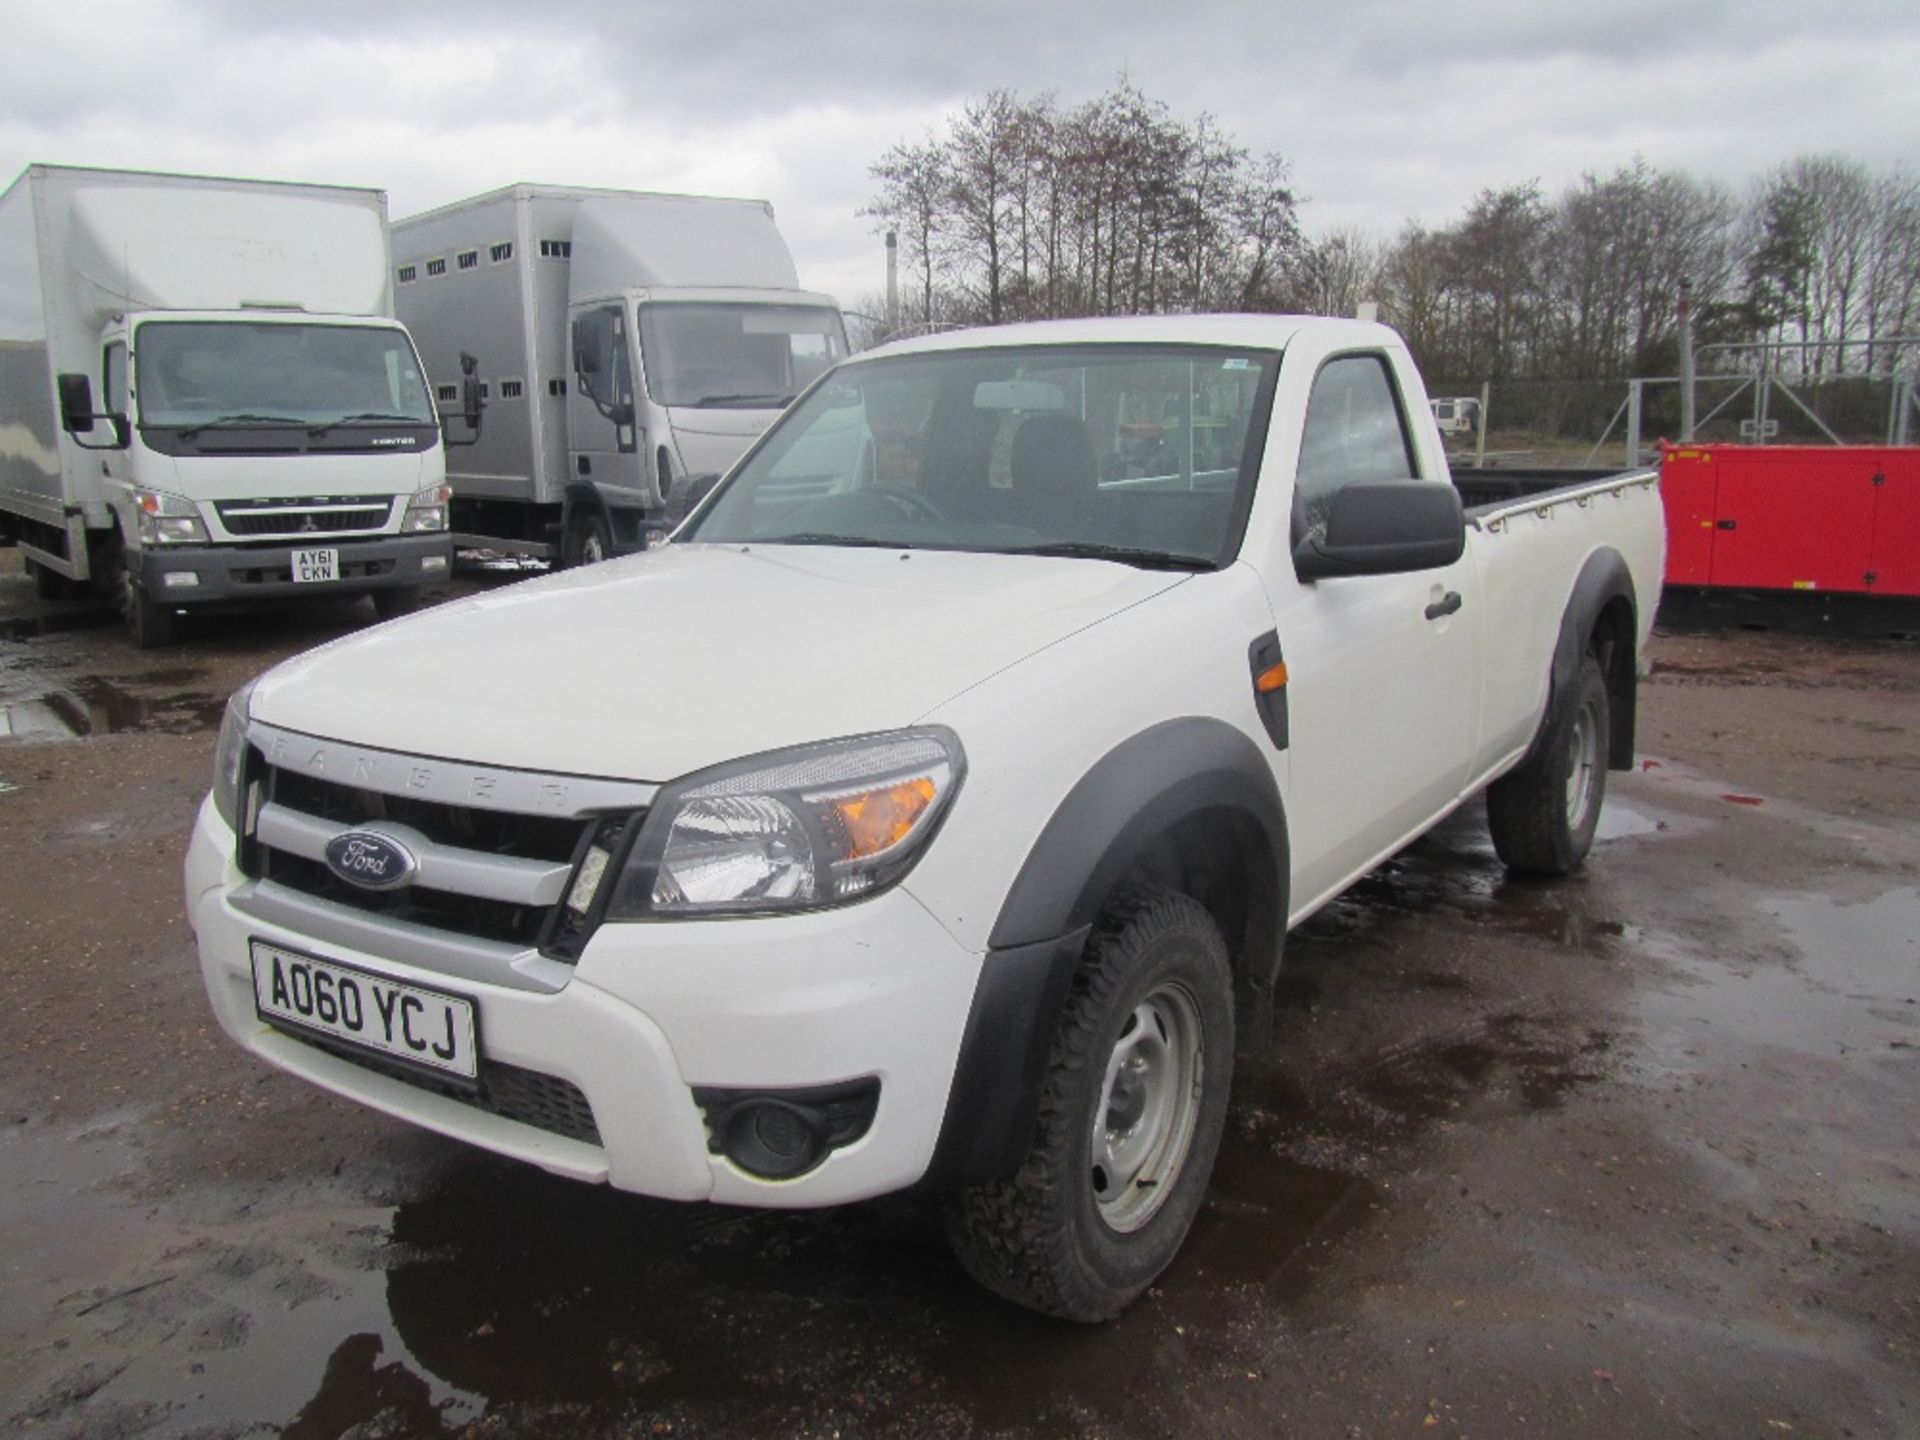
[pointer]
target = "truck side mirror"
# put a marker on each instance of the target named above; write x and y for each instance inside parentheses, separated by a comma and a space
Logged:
(77, 413)
(1385, 527)
(471, 403)
(76, 404)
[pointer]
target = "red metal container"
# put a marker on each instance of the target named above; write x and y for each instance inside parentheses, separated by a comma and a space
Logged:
(1838, 518)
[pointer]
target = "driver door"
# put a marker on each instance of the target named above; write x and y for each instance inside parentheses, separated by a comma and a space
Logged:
(605, 446)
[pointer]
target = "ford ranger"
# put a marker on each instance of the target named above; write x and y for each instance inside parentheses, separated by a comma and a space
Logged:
(931, 812)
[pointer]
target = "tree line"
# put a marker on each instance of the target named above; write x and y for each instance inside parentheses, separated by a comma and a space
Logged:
(1018, 208)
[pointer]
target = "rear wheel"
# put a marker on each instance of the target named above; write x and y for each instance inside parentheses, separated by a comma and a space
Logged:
(1130, 1120)
(1543, 815)
(588, 540)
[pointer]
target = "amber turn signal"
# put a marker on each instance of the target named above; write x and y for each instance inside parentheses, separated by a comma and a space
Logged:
(877, 820)
(1273, 678)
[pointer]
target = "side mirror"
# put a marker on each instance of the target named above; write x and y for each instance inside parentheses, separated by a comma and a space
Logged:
(77, 415)
(1385, 527)
(471, 404)
(695, 489)
(76, 404)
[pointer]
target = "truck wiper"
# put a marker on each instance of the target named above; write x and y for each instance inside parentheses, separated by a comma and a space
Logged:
(823, 537)
(1124, 554)
(237, 421)
(365, 417)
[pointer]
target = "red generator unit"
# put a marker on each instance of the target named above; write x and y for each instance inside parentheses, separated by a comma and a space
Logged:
(1839, 519)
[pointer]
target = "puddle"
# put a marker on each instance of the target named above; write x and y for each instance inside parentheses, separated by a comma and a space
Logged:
(1850, 989)
(119, 1318)
(1622, 819)
(93, 705)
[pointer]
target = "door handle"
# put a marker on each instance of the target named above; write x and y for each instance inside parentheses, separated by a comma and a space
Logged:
(1440, 609)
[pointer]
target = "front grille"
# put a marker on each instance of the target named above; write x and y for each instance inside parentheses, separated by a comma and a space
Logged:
(293, 518)
(467, 833)
(546, 1102)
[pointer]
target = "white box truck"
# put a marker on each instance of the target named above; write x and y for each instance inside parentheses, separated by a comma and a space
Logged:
(205, 398)
(632, 344)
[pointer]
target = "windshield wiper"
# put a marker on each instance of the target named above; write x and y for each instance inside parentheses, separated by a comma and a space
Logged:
(769, 398)
(366, 417)
(823, 537)
(190, 431)
(1124, 554)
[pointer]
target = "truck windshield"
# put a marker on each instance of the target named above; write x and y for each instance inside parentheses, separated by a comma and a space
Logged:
(742, 357)
(1141, 454)
(238, 372)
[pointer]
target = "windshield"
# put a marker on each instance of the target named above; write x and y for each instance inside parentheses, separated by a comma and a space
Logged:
(191, 373)
(743, 357)
(1138, 453)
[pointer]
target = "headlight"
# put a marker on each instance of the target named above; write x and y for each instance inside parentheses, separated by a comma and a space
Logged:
(427, 510)
(168, 519)
(229, 757)
(794, 830)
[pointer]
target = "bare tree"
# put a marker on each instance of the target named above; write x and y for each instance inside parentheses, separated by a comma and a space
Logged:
(915, 183)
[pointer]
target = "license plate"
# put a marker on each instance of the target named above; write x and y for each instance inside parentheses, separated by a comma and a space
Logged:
(310, 566)
(375, 1012)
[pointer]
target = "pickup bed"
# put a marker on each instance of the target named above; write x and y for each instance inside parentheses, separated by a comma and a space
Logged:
(932, 811)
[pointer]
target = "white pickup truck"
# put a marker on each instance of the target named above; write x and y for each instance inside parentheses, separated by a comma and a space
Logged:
(930, 813)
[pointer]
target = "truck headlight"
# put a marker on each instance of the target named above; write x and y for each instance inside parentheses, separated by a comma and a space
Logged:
(427, 510)
(167, 519)
(793, 830)
(229, 757)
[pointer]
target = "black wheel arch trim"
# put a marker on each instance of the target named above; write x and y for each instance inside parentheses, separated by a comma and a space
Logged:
(1195, 770)
(1603, 579)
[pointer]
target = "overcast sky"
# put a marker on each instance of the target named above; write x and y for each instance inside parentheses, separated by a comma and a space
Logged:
(1386, 109)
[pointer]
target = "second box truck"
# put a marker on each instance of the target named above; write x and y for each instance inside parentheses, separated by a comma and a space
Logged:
(632, 343)
(205, 398)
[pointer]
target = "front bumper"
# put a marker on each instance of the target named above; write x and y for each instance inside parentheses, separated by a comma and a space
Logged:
(234, 572)
(652, 1011)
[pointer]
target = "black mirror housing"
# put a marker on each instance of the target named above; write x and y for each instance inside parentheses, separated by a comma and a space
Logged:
(1385, 527)
(76, 404)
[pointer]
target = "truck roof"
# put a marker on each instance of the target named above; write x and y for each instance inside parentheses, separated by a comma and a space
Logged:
(537, 190)
(1264, 332)
(122, 240)
(632, 239)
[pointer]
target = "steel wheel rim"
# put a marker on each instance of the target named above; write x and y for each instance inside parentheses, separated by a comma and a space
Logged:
(591, 551)
(1147, 1108)
(1582, 766)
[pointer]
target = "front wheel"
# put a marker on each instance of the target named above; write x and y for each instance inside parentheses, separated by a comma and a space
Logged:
(1543, 815)
(149, 625)
(1130, 1119)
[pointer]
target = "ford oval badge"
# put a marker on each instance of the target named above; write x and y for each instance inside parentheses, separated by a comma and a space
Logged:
(373, 862)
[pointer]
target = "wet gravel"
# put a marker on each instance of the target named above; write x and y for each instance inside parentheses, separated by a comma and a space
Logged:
(1632, 1154)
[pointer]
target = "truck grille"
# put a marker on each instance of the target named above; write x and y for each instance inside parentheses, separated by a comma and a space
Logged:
(496, 875)
(259, 519)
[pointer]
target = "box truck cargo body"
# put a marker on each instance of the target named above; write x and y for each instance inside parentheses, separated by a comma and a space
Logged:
(631, 343)
(205, 398)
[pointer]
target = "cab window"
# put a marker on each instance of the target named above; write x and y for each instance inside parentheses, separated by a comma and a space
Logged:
(1354, 432)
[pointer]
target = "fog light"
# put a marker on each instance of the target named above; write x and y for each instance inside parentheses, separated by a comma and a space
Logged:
(179, 580)
(780, 1134)
(434, 562)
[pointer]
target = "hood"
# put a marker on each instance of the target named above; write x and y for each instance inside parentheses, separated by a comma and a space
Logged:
(710, 438)
(664, 663)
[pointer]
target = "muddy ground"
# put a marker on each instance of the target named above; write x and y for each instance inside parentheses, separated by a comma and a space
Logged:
(1633, 1155)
